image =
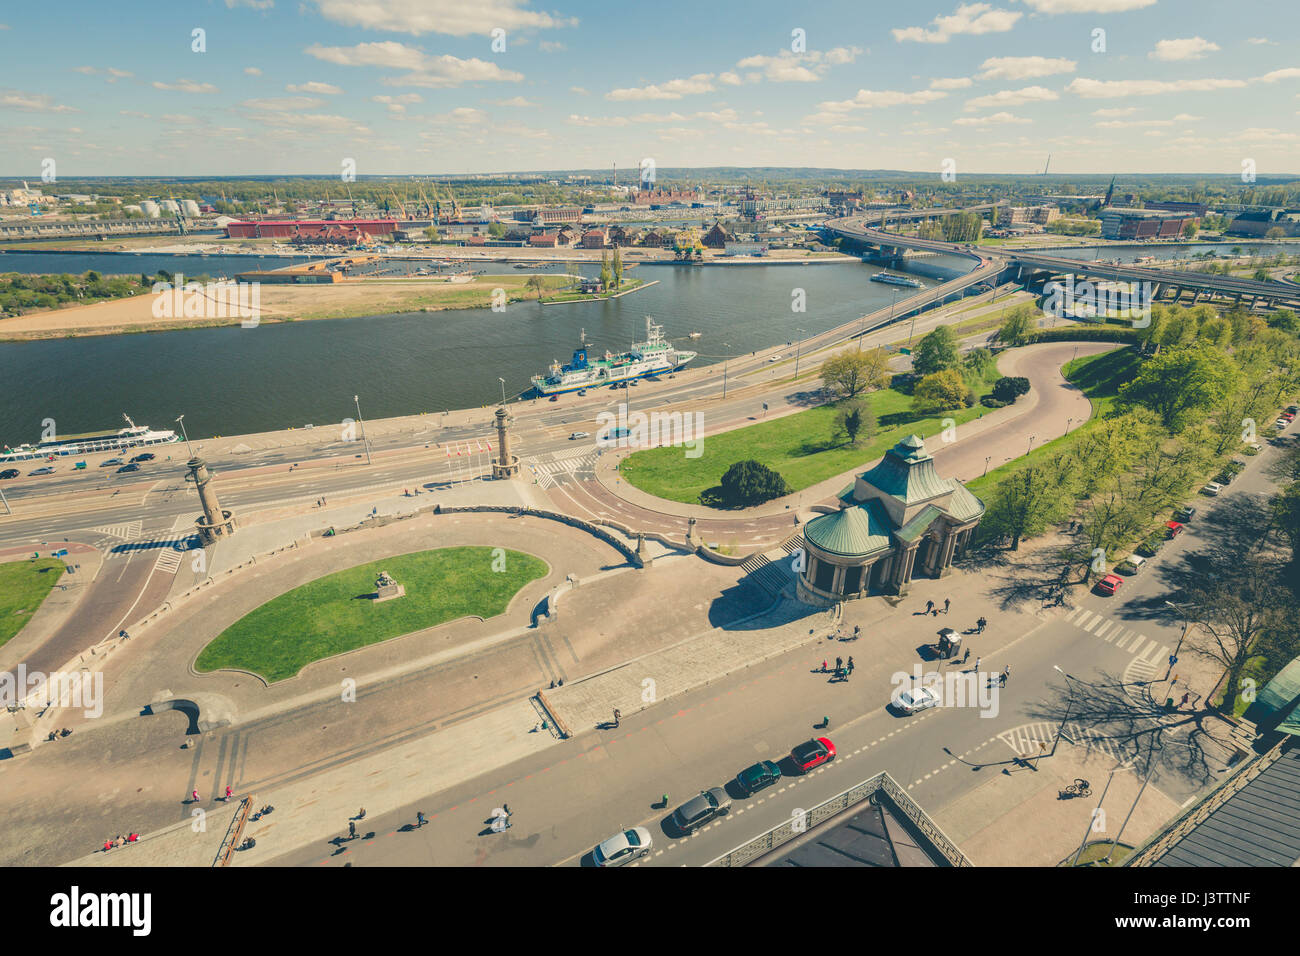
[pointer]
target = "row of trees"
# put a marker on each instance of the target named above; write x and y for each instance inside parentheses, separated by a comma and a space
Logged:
(27, 293)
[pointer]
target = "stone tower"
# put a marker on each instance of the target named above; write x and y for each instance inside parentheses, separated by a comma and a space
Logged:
(215, 520)
(506, 465)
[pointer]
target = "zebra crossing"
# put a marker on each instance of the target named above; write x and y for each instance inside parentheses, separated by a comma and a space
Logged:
(127, 532)
(550, 473)
(1150, 653)
(165, 544)
(1035, 739)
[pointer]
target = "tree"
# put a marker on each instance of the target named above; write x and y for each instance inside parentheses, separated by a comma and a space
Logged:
(1179, 383)
(751, 482)
(1277, 232)
(604, 270)
(1023, 503)
(535, 284)
(496, 230)
(854, 419)
(851, 372)
(618, 268)
(1190, 228)
(941, 391)
(431, 233)
(1020, 323)
(1285, 320)
(936, 352)
(1008, 389)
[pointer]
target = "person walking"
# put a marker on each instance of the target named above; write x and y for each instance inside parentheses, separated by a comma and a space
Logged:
(976, 668)
(839, 662)
(352, 830)
(980, 625)
(361, 814)
(929, 606)
(1006, 672)
(617, 715)
(824, 668)
(850, 664)
(420, 819)
(227, 794)
(965, 657)
(194, 796)
(946, 602)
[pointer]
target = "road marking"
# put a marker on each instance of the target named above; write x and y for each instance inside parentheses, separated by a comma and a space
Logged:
(1104, 628)
(1094, 623)
(1123, 641)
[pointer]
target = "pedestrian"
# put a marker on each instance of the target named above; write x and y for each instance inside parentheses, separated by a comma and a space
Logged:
(977, 664)
(965, 657)
(824, 667)
(227, 794)
(857, 632)
(420, 819)
(946, 602)
(361, 814)
(352, 830)
(1186, 698)
(664, 798)
(850, 663)
(929, 606)
(1006, 672)
(617, 715)
(194, 796)
(981, 624)
(839, 662)
(505, 808)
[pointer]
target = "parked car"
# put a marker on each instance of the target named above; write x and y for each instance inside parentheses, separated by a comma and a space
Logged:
(9, 473)
(1281, 424)
(915, 699)
(47, 470)
(1151, 545)
(1287, 416)
(1173, 528)
(698, 811)
(554, 398)
(128, 467)
(624, 847)
(1109, 584)
(147, 456)
(1254, 448)
(812, 753)
(1185, 514)
(111, 461)
(577, 435)
(1131, 565)
(1212, 488)
(758, 777)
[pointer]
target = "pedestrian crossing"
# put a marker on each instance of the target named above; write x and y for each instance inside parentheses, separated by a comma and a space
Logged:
(551, 473)
(127, 532)
(1036, 739)
(1137, 645)
(164, 544)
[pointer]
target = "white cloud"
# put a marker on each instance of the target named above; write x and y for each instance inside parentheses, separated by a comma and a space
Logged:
(579, 90)
(1116, 111)
(397, 104)
(32, 102)
(424, 70)
(514, 101)
(1189, 48)
(450, 17)
(1289, 73)
(281, 103)
(968, 18)
(788, 67)
(597, 121)
(719, 116)
(314, 86)
(251, 4)
(135, 113)
(1261, 41)
(1124, 124)
(729, 78)
(672, 90)
(252, 71)
(1030, 94)
(951, 83)
(1104, 89)
(185, 86)
(993, 119)
(463, 116)
(1024, 67)
(551, 46)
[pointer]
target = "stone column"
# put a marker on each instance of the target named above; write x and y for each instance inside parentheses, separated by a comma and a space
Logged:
(215, 520)
(506, 465)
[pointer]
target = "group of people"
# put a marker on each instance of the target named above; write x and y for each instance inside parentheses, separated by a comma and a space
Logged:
(56, 734)
(120, 840)
(843, 669)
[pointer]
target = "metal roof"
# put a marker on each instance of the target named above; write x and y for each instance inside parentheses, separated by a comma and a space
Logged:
(907, 473)
(1278, 695)
(1259, 825)
(861, 530)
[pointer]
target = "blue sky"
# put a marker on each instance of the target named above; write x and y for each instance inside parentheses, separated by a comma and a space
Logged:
(416, 86)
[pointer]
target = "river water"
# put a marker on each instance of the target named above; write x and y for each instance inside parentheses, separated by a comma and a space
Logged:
(232, 381)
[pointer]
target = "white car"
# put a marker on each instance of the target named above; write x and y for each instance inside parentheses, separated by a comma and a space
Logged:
(775, 358)
(624, 847)
(915, 699)
(1212, 488)
(576, 435)
(1281, 424)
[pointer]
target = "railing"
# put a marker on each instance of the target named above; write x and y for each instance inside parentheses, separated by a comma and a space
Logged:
(882, 782)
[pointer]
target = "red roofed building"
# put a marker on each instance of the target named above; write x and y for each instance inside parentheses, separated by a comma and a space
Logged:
(289, 228)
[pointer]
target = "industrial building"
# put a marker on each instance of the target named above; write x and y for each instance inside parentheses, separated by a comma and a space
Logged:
(1119, 222)
(291, 228)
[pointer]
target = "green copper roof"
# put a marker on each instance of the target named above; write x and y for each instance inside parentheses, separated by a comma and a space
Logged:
(853, 532)
(1276, 696)
(919, 523)
(907, 473)
(964, 506)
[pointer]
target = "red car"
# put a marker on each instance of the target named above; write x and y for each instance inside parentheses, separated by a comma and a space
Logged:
(1109, 584)
(812, 754)
(1175, 528)
(1289, 416)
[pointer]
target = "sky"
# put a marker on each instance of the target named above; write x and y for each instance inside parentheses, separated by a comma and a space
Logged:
(307, 87)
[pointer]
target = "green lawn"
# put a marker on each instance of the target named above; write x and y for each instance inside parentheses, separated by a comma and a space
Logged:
(23, 586)
(334, 614)
(799, 446)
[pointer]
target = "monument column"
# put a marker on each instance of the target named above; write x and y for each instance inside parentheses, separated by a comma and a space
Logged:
(215, 520)
(506, 465)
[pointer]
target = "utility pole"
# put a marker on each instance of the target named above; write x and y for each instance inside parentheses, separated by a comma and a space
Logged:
(725, 360)
(798, 347)
(181, 422)
(364, 441)
(8, 510)
(503, 390)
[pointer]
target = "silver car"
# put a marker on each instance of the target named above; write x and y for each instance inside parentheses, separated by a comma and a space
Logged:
(700, 810)
(624, 847)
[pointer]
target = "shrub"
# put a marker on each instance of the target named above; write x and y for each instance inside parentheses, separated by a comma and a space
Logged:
(988, 401)
(751, 483)
(1009, 388)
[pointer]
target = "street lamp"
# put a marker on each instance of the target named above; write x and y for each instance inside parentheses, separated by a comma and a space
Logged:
(1187, 623)
(364, 441)
(503, 389)
(181, 421)
(1100, 801)
(725, 360)
(1031, 445)
(987, 459)
(798, 347)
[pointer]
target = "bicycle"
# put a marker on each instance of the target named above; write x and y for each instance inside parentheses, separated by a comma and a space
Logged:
(1080, 788)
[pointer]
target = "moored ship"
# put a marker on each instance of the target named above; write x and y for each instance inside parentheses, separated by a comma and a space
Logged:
(650, 357)
(133, 436)
(894, 279)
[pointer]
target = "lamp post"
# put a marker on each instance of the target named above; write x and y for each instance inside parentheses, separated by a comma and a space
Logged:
(725, 360)
(364, 441)
(798, 347)
(181, 421)
(987, 459)
(1092, 816)
(1187, 623)
(1031, 445)
(503, 390)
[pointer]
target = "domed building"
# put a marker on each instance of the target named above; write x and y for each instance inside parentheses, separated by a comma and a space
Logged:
(898, 520)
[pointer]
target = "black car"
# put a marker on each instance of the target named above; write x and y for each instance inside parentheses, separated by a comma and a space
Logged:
(700, 810)
(761, 775)
(147, 456)
(9, 473)
(1185, 514)
(130, 467)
